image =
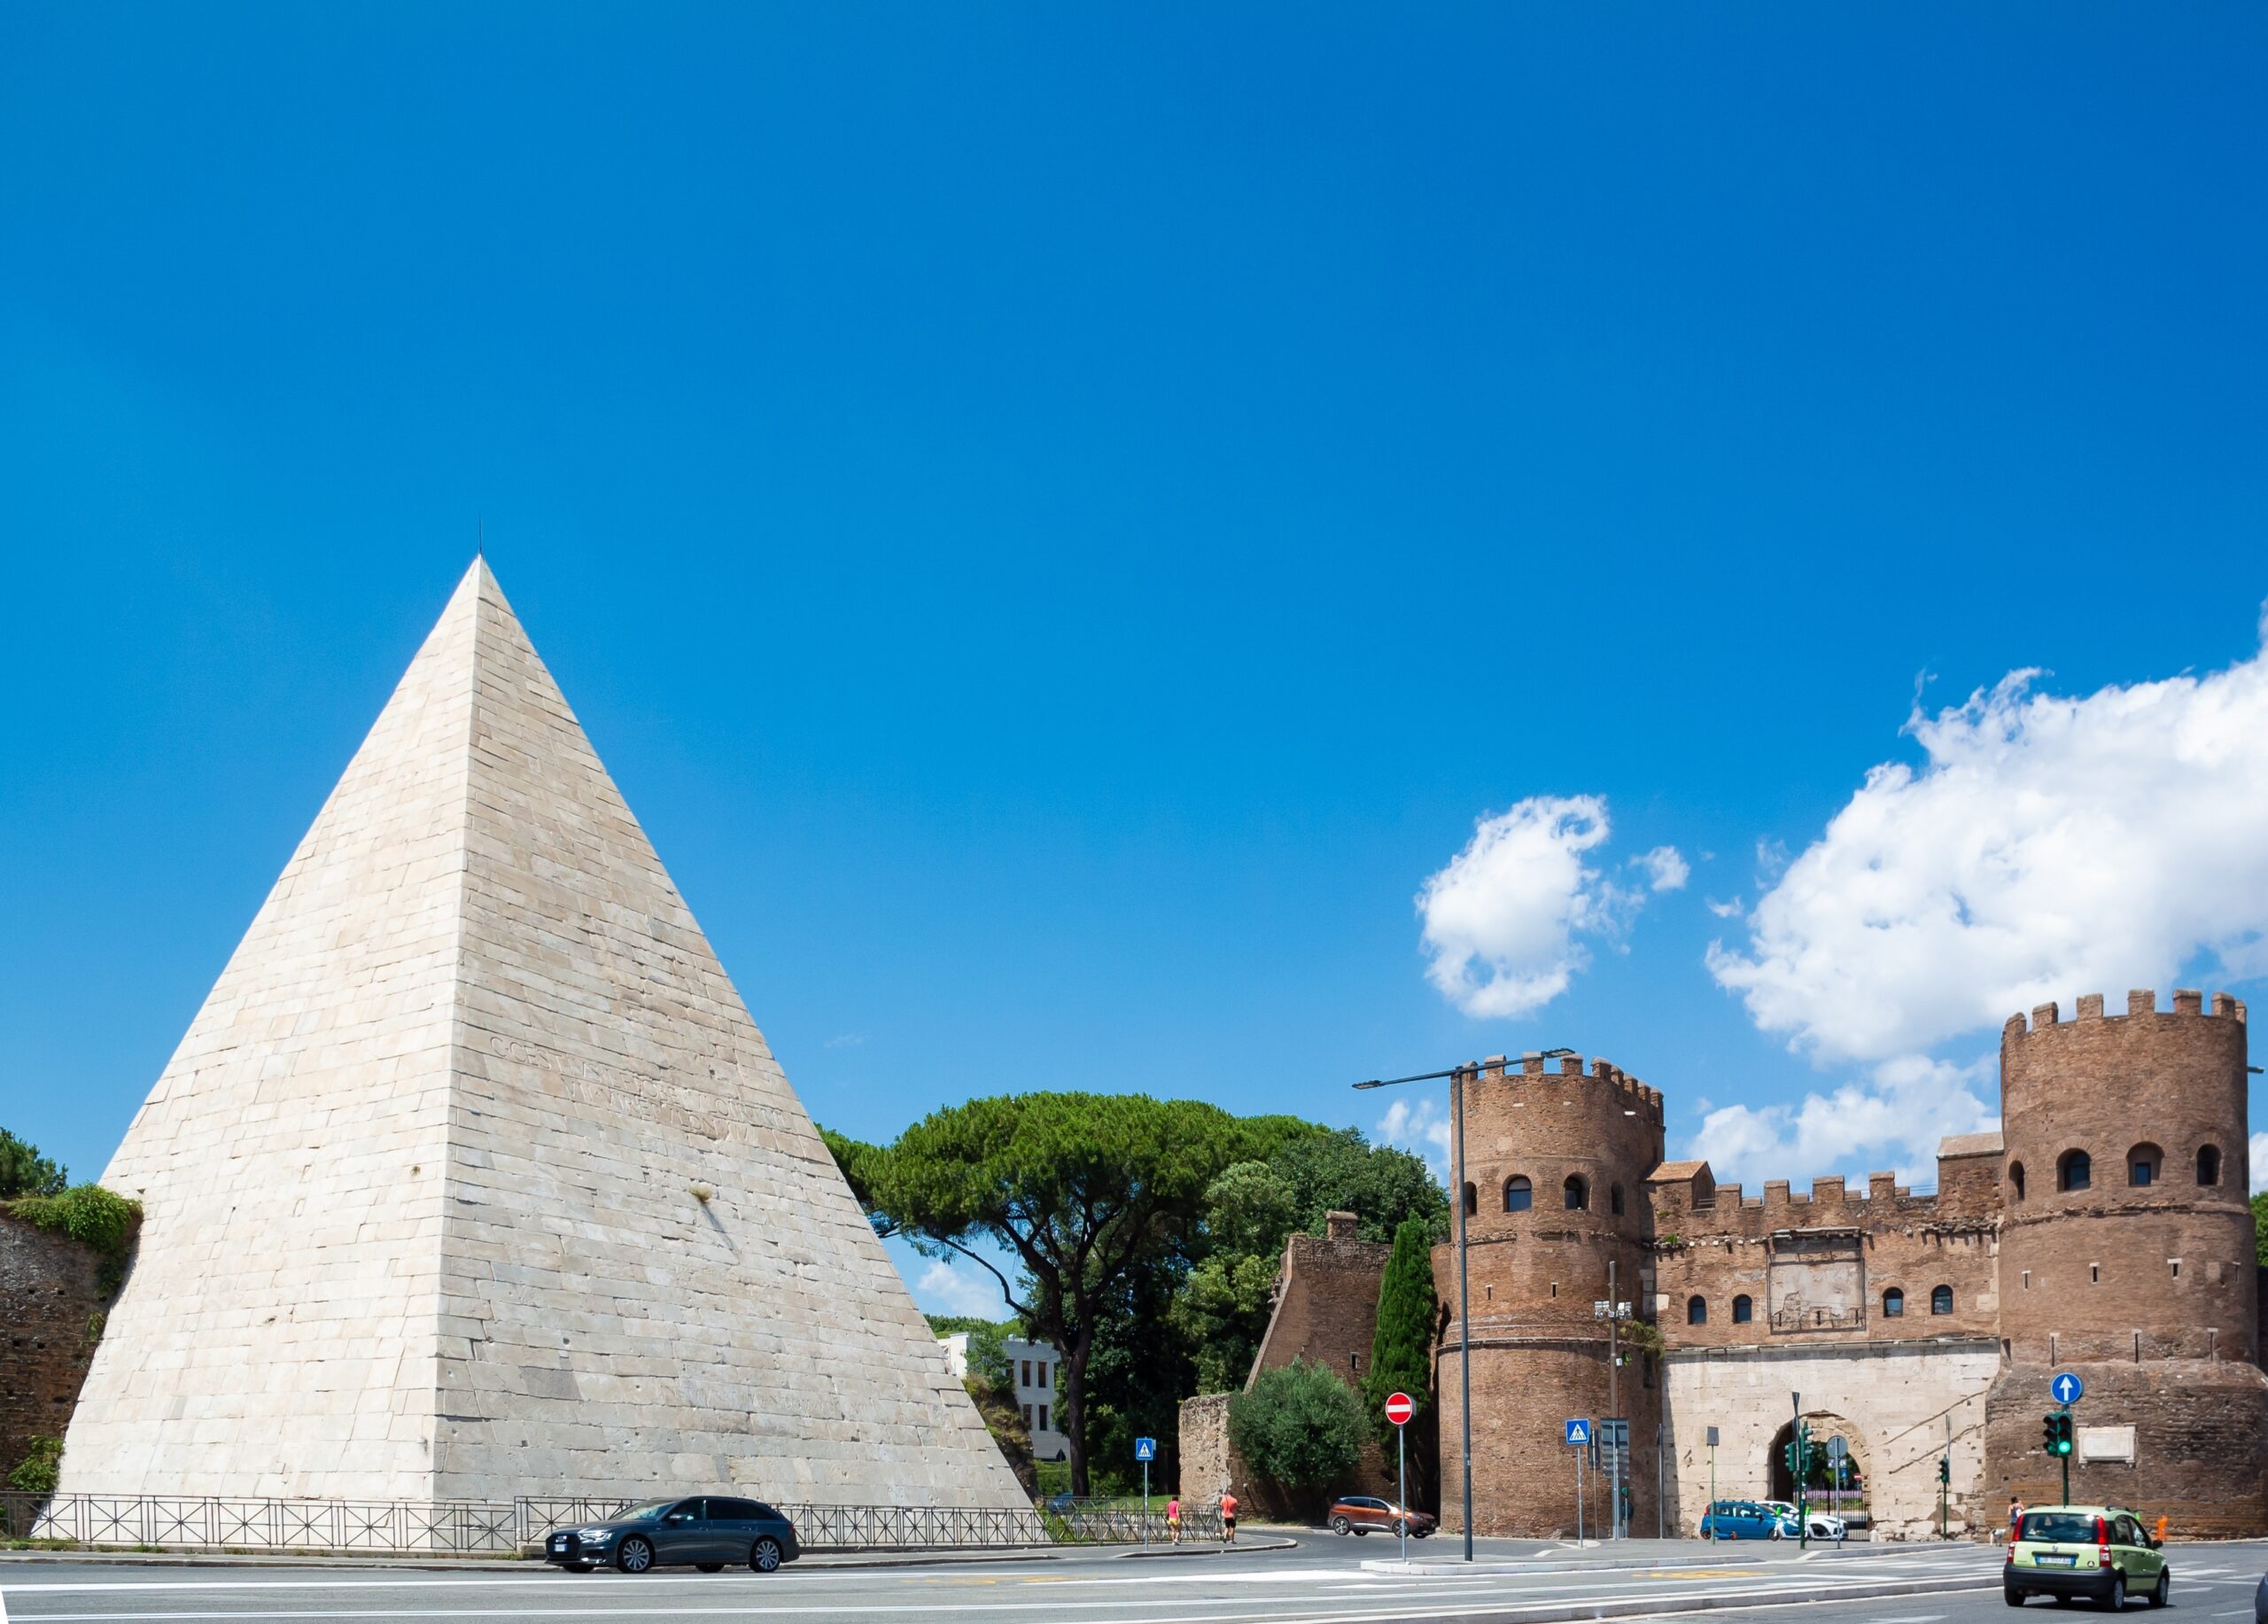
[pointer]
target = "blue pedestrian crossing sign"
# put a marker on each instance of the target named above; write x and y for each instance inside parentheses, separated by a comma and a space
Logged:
(1579, 1432)
(2068, 1388)
(1145, 1449)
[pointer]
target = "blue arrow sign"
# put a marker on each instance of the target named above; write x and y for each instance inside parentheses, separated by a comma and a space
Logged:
(1579, 1432)
(1145, 1449)
(2068, 1388)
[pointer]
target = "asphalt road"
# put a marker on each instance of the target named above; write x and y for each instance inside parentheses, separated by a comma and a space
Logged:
(1321, 1581)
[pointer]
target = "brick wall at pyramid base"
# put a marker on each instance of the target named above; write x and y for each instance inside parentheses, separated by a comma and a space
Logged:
(52, 1302)
(474, 1178)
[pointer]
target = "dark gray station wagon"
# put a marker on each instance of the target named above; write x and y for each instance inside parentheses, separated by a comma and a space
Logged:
(709, 1532)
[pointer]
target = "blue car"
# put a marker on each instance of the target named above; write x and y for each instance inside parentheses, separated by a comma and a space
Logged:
(1745, 1520)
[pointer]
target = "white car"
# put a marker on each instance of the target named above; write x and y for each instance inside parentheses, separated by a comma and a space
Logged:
(1821, 1525)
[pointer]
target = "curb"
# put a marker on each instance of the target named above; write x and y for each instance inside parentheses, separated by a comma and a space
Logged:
(828, 1560)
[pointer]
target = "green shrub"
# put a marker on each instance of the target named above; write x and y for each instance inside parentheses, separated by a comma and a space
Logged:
(88, 1214)
(37, 1472)
(1298, 1425)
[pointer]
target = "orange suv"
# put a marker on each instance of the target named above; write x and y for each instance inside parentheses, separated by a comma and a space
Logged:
(1363, 1514)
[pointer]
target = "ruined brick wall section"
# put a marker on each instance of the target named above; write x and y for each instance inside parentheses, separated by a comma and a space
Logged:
(1539, 1353)
(2123, 1270)
(50, 1292)
(1326, 1302)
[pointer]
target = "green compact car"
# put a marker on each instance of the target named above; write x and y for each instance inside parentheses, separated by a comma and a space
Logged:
(2099, 1552)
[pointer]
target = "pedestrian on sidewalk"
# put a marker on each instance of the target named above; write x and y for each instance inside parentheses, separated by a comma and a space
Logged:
(1173, 1517)
(2015, 1518)
(1228, 1518)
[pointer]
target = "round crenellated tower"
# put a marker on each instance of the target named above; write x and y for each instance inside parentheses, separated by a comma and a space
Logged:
(1556, 1159)
(2126, 1257)
(2124, 1185)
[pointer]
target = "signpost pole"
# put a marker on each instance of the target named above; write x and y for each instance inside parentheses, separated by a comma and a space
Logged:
(1402, 1475)
(1579, 1495)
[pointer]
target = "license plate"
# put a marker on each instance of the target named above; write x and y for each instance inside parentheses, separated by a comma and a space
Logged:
(2054, 1561)
(560, 1543)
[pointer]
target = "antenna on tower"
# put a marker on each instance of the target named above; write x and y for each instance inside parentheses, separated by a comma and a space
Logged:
(479, 535)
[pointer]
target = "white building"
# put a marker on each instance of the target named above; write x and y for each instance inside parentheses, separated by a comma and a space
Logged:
(1031, 1370)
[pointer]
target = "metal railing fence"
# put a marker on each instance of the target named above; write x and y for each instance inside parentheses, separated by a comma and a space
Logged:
(503, 1527)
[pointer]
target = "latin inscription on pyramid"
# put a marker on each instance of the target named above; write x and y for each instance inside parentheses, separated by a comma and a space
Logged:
(419, 1184)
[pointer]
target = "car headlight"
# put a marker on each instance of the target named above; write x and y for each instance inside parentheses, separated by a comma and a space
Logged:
(594, 1536)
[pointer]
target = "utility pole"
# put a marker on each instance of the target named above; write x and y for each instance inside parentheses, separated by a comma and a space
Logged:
(1613, 1406)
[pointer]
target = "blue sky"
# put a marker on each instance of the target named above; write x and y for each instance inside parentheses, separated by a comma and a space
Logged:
(1061, 522)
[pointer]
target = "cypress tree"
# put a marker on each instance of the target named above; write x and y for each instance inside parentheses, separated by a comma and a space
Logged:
(1401, 1352)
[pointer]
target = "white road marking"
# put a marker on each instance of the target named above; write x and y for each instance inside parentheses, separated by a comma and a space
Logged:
(1501, 1607)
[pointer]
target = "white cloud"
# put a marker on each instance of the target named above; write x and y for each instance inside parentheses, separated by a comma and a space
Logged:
(1503, 921)
(1666, 870)
(945, 1289)
(1724, 910)
(1896, 1116)
(2045, 847)
(1424, 1128)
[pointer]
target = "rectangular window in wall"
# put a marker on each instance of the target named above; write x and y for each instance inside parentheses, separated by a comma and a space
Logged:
(1042, 1417)
(1027, 1373)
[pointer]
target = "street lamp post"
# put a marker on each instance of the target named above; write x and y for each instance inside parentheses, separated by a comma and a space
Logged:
(1456, 1075)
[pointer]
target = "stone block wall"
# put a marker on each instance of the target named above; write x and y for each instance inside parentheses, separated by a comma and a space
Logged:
(50, 1293)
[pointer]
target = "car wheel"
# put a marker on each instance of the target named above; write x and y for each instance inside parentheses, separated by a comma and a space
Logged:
(764, 1556)
(710, 1567)
(2116, 1600)
(2015, 1599)
(2162, 1592)
(636, 1557)
(1339, 1525)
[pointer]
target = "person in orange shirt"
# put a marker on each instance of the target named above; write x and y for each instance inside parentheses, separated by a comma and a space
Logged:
(2161, 1529)
(1228, 1518)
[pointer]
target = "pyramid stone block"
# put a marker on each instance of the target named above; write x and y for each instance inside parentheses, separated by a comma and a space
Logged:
(420, 1220)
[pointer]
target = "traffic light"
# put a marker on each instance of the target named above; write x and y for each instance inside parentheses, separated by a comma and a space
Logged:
(2055, 1431)
(1945, 1468)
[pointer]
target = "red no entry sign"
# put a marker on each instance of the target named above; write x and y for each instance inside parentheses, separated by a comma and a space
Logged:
(1399, 1408)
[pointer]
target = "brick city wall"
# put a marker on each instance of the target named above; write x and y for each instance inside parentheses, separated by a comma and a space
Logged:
(1326, 1302)
(1825, 1264)
(2199, 1442)
(50, 1293)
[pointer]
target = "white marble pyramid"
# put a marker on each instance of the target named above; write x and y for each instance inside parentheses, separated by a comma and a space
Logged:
(420, 1181)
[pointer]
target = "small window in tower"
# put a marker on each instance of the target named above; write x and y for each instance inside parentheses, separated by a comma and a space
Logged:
(1614, 1199)
(1577, 1191)
(2074, 1171)
(2094, 1274)
(2209, 1164)
(2177, 1266)
(2142, 1164)
(1472, 1200)
(1555, 1289)
(1697, 1310)
(2016, 1179)
(1520, 1195)
(1893, 1303)
(2027, 1279)
(1941, 1299)
(1743, 1310)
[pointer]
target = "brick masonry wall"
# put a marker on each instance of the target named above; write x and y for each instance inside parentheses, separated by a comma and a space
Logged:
(1326, 1302)
(49, 1291)
(2200, 1442)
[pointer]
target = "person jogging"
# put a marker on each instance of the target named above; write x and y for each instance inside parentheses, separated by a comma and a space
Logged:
(1173, 1517)
(1228, 1520)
